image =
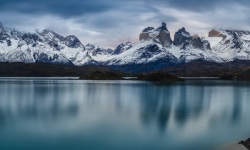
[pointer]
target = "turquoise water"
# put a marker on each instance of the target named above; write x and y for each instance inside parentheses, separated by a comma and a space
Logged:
(45, 114)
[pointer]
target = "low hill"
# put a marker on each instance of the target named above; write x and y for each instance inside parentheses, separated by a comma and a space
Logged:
(46, 70)
(102, 75)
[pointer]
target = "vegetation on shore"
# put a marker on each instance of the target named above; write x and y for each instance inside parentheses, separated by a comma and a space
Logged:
(237, 70)
(102, 75)
(47, 70)
(90, 72)
(158, 76)
(239, 74)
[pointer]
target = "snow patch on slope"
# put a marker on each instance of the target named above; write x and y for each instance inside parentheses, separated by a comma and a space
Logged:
(213, 40)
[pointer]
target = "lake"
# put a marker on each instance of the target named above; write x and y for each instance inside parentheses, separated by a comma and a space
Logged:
(58, 114)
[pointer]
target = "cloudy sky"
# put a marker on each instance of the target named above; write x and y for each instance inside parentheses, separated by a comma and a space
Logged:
(110, 22)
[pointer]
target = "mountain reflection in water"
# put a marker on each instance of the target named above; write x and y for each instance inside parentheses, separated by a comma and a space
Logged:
(122, 114)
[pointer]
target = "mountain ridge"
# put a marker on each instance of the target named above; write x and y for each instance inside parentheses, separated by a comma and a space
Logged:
(154, 50)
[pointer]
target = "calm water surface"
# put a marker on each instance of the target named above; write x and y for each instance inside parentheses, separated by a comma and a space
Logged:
(45, 114)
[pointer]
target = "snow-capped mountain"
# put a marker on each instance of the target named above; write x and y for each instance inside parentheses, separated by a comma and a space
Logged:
(98, 53)
(42, 46)
(156, 46)
(154, 50)
(122, 48)
(230, 44)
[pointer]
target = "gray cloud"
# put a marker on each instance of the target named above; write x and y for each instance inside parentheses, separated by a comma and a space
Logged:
(109, 22)
(199, 5)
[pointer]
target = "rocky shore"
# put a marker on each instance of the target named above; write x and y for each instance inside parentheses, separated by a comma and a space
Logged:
(242, 145)
(246, 143)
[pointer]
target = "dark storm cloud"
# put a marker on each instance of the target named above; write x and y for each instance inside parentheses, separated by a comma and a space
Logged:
(69, 8)
(65, 8)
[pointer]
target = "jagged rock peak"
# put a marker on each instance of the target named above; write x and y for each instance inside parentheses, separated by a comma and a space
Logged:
(151, 29)
(30, 38)
(122, 47)
(183, 32)
(160, 35)
(148, 29)
(213, 33)
(91, 46)
(163, 26)
(199, 43)
(73, 42)
(45, 31)
(72, 38)
(181, 37)
(49, 34)
(182, 29)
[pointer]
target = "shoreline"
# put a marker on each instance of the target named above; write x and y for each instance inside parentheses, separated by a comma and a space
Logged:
(201, 78)
(242, 145)
(235, 146)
